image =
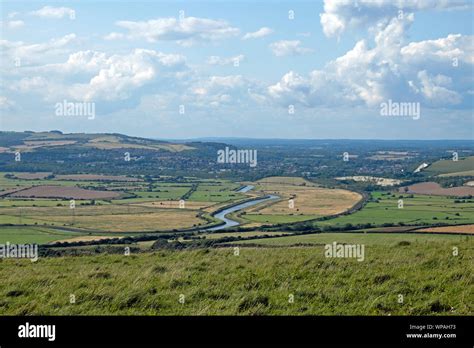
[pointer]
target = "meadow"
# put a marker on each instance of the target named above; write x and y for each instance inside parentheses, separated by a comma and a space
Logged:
(31, 234)
(368, 239)
(149, 206)
(417, 210)
(255, 281)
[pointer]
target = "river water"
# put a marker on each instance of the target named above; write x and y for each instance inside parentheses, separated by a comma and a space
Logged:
(231, 223)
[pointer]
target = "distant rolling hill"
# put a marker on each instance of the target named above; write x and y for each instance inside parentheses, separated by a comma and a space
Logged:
(105, 153)
(11, 142)
(461, 167)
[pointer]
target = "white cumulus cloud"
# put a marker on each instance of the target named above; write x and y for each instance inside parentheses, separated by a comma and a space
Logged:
(54, 12)
(217, 60)
(186, 31)
(262, 32)
(288, 48)
(14, 24)
(339, 15)
(12, 51)
(390, 68)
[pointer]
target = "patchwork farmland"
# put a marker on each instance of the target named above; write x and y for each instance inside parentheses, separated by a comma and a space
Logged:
(131, 241)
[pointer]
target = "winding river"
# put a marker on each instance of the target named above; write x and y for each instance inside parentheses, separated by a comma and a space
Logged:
(231, 223)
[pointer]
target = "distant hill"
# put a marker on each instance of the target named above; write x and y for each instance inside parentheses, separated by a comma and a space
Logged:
(105, 153)
(11, 142)
(461, 167)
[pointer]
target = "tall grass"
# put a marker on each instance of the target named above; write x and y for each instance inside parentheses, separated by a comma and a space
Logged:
(259, 281)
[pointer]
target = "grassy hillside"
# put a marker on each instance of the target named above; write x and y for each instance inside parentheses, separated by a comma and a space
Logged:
(451, 167)
(257, 281)
(371, 239)
(29, 141)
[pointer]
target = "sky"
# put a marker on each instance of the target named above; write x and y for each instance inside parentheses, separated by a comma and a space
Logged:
(259, 69)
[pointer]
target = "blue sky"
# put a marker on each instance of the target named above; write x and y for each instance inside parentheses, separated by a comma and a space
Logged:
(333, 64)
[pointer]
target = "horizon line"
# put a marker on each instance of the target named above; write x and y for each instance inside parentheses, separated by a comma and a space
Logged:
(234, 137)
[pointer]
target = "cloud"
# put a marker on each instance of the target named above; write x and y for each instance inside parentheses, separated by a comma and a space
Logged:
(32, 53)
(217, 60)
(216, 91)
(390, 69)
(54, 12)
(114, 36)
(340, 15)
(12, 24)
(112, 81)
(383, 66)
(262, 32)
(291, 84)
(13, 14)
(28, 84)
(186, 31)
(5, 103)
(288, 48)
(118, 77)
(435, 89)
(446, 50)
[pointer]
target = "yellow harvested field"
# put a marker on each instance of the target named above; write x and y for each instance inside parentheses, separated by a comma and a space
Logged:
(175, 147)
(34, 144)
(307, 200)
(32, 176)
(85, 210)
(111, 145)
(105, 138)
(37, 143)
(105, 145)
(50, 191)
(166, 219)
(84, 239)
(468, 229)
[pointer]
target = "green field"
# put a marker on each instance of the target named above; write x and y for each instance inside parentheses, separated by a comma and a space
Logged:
(163, 193)
(7, 183)
(259, 281)
(420, 209)
(221, 192)
(208, 190)
(36, 235)
(464, 173)
(98, 215)
(276, 218)
(11, 202)
(450, 166)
